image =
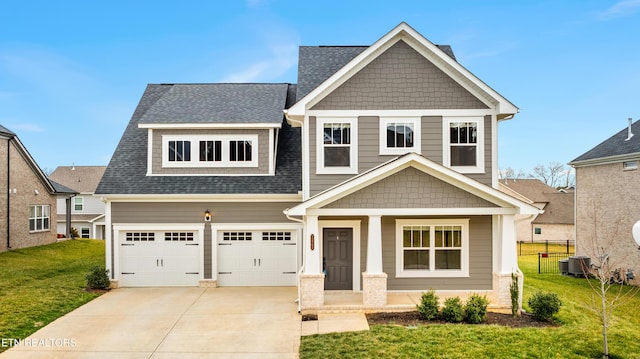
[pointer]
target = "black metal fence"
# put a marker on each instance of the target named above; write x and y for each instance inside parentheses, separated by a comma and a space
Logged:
(533, 248)
(548, 263)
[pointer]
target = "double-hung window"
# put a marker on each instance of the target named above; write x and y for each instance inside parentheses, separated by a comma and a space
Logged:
(432, 248)
(78, 204)
(464, 144)
(336, 146)
(210, 150)
(39, 218)
(399, 135)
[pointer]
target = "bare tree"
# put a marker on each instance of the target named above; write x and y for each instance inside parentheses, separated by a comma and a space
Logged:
(510, 173)
(606, 273)
(555, 174)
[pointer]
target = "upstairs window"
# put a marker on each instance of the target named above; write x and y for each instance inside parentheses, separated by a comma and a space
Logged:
(78, 204)
(210, 150)
(463, 140)
(399, 136)
(336, 146)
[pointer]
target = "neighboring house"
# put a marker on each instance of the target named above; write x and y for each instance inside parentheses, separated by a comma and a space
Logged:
(27, 197)
(555, 224)
(608, 198)
(87, 211)
(383, 174)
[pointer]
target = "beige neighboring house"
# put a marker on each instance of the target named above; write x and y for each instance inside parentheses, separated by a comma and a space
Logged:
(608, 198)
(87, 211)
(27, 197)
(555, 224)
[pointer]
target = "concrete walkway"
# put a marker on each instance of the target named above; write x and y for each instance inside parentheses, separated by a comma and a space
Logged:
(173, 322)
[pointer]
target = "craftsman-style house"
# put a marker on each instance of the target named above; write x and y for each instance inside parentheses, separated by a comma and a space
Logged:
(376, 172)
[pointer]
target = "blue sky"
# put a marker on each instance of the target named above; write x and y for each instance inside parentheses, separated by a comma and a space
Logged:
(72, 72)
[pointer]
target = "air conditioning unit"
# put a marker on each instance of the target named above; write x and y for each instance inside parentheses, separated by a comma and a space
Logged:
(563, 266)
(578, 265)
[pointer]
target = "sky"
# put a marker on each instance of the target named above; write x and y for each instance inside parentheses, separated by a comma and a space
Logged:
(72, 72)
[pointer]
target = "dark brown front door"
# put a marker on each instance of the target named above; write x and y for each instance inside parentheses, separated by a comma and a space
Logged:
(337, 261)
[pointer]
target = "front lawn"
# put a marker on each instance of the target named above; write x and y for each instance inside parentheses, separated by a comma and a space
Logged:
(578, 336)
(42, 283)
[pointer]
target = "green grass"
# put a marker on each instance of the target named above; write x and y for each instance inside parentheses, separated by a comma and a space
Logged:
(43, 283)
(579, 334)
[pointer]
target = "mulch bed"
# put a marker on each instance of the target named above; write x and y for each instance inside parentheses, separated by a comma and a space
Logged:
(413, 319)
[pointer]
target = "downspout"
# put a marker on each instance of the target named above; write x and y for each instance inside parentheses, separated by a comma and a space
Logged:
(9, 192)
(286, 213)
(68, 216)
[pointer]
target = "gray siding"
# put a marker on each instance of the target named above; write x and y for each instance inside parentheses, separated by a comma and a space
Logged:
(410, 188)
(185, 212)
(369, 150)
(400, 78)
(263, 153)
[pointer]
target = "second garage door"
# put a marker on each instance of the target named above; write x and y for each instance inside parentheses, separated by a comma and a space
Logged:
(257, 258)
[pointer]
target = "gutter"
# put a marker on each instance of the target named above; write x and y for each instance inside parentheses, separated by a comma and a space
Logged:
(299, 275)
(9, 192)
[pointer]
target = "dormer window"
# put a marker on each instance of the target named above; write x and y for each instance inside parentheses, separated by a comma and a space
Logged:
(463, 141)
(210, 150)
(399, 135)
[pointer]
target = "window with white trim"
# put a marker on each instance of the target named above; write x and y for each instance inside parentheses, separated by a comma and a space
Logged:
(432, 248)
(210, 150)
(78, 204)
(336, 150)
(399, 136)
(630, 165)
(84, 232)
(463, 144)
(39, 218)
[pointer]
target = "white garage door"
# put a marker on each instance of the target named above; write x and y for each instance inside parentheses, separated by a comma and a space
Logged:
(159, 258)
(257, 258)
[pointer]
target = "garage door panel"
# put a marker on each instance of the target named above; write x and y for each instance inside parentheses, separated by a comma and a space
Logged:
(261, 258)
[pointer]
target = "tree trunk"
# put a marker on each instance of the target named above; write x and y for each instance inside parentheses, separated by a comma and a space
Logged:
(605, 348)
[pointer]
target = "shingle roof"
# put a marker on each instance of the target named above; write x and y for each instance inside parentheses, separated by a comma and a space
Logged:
(533, 189)
(218, 103)
(558, 206)
(6, 131)
(318, 63)
(614, 145)
(83, 179)
(60, 188)
(126, 173)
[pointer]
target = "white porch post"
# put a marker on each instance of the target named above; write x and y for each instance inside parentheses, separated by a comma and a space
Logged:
(312, 279)
(374, 280)
(506, 262)
(509, 248)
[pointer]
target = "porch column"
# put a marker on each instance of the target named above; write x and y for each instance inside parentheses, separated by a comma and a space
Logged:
(312, 278)
(506, 261)
(374, 280)
(508, 247)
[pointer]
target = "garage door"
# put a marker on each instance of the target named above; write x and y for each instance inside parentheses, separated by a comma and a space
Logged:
(159, 258)
(257, 258)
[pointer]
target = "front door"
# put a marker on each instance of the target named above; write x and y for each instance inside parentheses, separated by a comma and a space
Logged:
(337, 260)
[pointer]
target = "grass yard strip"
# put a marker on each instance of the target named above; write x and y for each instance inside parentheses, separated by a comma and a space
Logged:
(578, 336)
(43, 283)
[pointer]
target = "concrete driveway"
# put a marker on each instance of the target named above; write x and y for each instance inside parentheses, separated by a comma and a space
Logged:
(231, 322)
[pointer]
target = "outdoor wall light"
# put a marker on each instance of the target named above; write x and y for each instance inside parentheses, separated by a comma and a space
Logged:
(207, 216)
(636, 233)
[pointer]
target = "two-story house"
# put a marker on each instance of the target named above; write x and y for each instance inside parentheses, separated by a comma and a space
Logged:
(381, 176)
(87, 211)
(27, 197)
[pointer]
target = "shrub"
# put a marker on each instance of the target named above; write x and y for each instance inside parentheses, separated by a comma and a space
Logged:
(428, 307)
(98, 278)
(514, 289)
(544, 305)
(475, 311)
(452, 310)
(73, 233)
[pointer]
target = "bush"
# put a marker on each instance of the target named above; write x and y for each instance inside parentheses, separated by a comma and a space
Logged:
(452, 310)
(98, 278)
(475, 311)
(544, 305)
(73, 233)
(428, 307)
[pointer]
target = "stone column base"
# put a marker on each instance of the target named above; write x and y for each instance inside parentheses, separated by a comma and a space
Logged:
(311, 291)
(374, 290)
(208, 283)
(501, 297)
(114, 284)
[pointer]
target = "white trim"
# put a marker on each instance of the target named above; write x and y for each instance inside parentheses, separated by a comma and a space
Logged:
(208, 125)
(417, 137)
(202, 197)
(211, 174)
(149, 151)
(400, 113)
(410, 211)
(606, 160)
(215, 227)
(446, 145)
(353, 146)
(432, 272)
(195, 151)
(109, 243)
(272, 152)
(121, 227)
(494, 152)
(355, 226)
